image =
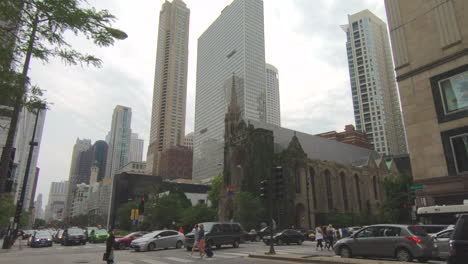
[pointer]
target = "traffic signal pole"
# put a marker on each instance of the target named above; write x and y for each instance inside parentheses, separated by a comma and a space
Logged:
(270, 209)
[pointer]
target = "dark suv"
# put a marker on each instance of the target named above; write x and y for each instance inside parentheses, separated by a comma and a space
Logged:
(459, 242)
(73, 236)
(218, 234)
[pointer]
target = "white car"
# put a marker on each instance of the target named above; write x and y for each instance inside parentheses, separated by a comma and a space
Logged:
(158, 239)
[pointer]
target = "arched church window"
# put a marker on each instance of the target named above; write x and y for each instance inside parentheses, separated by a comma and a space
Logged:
(329, 189)
(343, 189)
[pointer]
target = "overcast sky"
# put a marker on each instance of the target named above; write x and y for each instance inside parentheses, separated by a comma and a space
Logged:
(302, 39)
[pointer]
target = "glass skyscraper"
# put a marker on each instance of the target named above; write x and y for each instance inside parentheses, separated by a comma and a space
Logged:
(231, 49)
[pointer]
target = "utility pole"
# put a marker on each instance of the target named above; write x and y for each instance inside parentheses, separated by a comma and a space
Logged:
(270, 211)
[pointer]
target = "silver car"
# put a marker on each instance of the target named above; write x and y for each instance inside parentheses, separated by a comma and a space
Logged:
(441, 240)
(158, 239)
(402, 242)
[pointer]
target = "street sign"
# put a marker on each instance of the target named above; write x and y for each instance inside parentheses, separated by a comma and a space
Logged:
(417, 187)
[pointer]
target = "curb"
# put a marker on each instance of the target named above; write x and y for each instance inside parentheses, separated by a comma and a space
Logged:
(322, 259)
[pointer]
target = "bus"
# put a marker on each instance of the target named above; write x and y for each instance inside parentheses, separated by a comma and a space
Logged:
(441, 214)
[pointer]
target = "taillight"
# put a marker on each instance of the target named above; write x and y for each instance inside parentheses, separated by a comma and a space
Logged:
(414, 239)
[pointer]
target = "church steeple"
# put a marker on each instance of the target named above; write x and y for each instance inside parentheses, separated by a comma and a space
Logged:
(233, 106)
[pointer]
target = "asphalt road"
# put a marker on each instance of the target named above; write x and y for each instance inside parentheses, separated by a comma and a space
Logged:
(92, 253)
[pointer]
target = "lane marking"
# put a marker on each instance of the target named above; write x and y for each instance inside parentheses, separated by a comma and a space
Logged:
(152, 261)
(236, 254)
(179, 259)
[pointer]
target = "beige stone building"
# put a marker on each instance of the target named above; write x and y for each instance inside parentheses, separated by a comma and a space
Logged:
(430, 49)
(170, 82)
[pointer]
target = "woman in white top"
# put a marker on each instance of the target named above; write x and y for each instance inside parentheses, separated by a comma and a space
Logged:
(319, 238)
(195, 238)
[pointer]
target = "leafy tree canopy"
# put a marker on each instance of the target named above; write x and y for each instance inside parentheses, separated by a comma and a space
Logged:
(215, 192)
(248, 210)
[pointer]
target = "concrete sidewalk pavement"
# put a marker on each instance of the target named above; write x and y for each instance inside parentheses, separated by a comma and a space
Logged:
(321, 259)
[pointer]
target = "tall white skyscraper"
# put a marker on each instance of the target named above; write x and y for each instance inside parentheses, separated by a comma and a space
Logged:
(231, 49)
(119, 140)
(273, 108)
(373, 86)
(56, 201)
(22, 139)
(136, 148)
(170, 82)
(39, 211)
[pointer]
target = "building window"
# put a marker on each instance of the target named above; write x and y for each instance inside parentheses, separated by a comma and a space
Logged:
(312, 185)
(328, 185)
(450, 91)
(297, 181)
(374, 181)
(455, 144)
(358, 191)
(343, 189)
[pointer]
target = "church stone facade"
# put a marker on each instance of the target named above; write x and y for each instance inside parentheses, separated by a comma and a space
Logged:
(321, 176)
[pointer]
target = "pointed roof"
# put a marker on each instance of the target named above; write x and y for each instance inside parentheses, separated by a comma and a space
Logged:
(233, 106)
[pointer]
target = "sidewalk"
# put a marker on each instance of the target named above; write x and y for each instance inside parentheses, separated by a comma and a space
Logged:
(15, 246)
(321, 259)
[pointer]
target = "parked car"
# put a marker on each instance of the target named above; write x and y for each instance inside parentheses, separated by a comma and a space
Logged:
(124, 242)
(75, 236)
(58, 236)
(218, 234)
(458, 243)
(27, 233)
(402, 242)
(98, 236)
(264, 232)
(441, 240)
(158, 239)
(252, 236)
(41, 239)
(433, 229)
(287, 236)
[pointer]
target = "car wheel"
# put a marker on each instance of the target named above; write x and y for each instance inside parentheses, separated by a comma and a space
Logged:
(300, 242)
(235, 244)
(423, 260)
(122, 246)
(280, 242)
(151, 247)
(218, 246)
(84, 243)
(179, 244)
(345, 252)
(403, 255)
(257, 239)
(188, 248)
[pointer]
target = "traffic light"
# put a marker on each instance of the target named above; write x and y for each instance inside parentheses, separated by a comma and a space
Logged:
(264, 189)
(279, 183)
(141, 207)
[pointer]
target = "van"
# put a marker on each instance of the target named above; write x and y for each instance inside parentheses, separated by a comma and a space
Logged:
(218, 234)
(458, 244)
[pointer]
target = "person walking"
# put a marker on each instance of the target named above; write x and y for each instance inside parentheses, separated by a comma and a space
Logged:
(201, 240)
(109, 255)
(181, 230)
(330, 235)
(319, 238)
(195, 238)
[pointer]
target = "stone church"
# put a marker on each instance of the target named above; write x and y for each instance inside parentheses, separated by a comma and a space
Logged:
(321, 176)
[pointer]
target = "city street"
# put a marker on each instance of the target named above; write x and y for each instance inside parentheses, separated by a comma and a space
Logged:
(92, 253)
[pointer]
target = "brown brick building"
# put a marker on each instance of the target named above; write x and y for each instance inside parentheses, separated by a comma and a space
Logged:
(176, 163)
(349, 136)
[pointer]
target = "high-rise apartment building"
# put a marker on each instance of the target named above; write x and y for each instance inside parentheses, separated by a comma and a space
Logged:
(373, 86)
(273, 109)
(119, 140)
(99, 158)
(56, 201)
(136, 148)
(39, 212)
(430, 48)
(170, 82)
(232, 49)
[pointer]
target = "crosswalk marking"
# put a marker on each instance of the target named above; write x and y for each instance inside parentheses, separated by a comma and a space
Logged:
(236, 254)
(124, 262)
(222, 256)
(152, 261)
(179, 259)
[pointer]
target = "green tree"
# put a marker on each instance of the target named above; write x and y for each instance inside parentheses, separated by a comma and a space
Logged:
(124, 214)
(248, 210)
(166, 210)
(7, 209)
(198, 214)
(215, 192)
(38, 29)
(79, 220)
(39, 223)
(396, 207)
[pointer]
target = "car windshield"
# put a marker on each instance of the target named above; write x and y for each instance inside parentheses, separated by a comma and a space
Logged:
(75, 232)
(60, 232)
(131, 234)
(43, 235)
(101, 232)
(152, 234)
(208, 226)
(418, 231)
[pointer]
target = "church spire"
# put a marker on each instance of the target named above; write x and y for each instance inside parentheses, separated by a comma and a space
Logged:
(233, 106)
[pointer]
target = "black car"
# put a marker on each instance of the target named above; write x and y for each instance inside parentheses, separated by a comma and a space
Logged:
(58, 237)
(458, 251)
(41, 239)
(287, 236)
(218, 234)
(73, 236)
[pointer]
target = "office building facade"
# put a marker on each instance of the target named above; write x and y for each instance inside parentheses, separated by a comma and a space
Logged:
(273, 108)
(170, 82)
(232, 49)
(430, 48)
(56, 201)
(136, 148)
(373, 86)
